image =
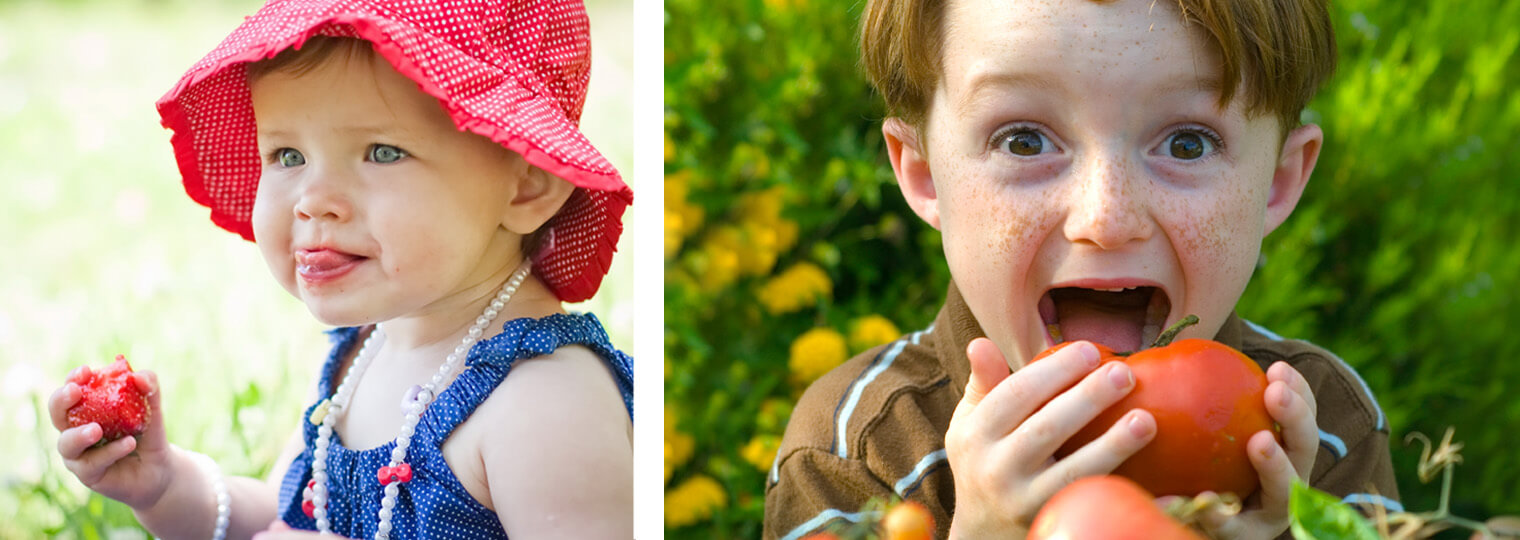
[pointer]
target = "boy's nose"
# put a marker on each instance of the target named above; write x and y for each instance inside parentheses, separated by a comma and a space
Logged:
(1108, 206)
(321, 196)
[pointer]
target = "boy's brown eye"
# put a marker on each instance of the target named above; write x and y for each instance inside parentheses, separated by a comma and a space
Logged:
(1025, 143)
(1188, 146)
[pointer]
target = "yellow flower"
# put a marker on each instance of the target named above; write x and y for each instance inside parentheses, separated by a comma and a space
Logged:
(795, 288)
(678, 446)
(761, 451)
(870, 331)
(816, 352)
(718, 264)
(693, 501)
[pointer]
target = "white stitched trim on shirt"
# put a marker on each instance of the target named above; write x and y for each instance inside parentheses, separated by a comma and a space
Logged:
(1382, 420)
(820, 519)
(918, 471)
(1336, 444)
(842, 423)
(1368, 498)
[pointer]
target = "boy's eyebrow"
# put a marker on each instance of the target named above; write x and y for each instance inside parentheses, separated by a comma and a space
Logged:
(982, 82)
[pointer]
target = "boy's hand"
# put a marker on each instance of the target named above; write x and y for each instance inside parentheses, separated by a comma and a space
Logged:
(1004, 434)
(133, 470)
(1291, 404)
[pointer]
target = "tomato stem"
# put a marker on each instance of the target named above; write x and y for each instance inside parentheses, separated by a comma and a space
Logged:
(1171, 332)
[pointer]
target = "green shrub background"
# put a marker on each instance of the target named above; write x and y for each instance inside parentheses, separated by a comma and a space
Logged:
(1401, 257)
(104, 253)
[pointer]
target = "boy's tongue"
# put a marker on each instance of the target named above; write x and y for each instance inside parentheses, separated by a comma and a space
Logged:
(1115, 319)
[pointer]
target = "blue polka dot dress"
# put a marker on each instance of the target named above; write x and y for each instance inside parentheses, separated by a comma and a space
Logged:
(434, 504)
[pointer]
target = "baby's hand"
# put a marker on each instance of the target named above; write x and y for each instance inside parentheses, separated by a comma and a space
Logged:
(133, 470)
(1004, 434)
(1291, 403)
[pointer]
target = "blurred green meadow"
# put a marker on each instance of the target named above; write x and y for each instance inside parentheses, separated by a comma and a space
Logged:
(102, 253)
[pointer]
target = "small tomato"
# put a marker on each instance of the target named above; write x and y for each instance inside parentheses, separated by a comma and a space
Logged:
(1105, 508)
(908, 521)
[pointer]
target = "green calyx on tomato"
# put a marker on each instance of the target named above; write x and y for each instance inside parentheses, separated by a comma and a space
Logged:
(1207, 400)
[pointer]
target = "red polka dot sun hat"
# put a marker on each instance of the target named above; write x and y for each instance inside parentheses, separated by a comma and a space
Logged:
(513, 71)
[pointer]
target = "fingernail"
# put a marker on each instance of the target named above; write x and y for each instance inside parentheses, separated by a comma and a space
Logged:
(1089, 353)
(1270, 451)
(1287, 397)
(1120, 375)
(1138, 427)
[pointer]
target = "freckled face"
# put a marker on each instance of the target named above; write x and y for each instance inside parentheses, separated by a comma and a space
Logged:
(1077, 150)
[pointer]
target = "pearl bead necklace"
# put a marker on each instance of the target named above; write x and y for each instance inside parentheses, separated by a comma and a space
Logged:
(398, 471)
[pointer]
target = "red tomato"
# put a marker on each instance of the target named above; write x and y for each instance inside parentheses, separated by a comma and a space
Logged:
(1105, 508)
(908, 521)
(1207, 401)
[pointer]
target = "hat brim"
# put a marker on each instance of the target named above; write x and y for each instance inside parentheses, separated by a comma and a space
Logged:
(215, 139)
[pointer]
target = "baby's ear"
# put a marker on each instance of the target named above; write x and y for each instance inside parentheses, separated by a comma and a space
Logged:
(539, 195)
(1294, 165)
(910, 162)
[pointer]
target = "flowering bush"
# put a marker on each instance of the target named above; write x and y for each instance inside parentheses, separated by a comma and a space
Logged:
(788, 247)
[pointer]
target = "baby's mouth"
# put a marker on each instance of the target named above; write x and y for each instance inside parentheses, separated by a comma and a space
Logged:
(1125, 319)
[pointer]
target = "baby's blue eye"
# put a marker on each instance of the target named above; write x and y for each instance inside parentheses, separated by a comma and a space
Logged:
(289, 157)
(1025, 142)
(385, 153)
(1190, 145)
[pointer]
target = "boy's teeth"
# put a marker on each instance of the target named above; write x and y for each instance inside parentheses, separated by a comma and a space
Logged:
(1055, 332)
(1116, 289)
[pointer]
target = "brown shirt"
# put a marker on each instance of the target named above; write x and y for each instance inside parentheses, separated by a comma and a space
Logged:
(875, 426)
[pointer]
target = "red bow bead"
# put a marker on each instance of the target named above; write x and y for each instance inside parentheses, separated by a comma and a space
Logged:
(400, 473)
(310, 508)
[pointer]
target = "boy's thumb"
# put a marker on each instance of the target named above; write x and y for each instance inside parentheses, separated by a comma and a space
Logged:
(988, 368)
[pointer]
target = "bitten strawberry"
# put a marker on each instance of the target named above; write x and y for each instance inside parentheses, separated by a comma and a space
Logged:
(109, 397)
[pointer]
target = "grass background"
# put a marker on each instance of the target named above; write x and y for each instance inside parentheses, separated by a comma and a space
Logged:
(104, 254)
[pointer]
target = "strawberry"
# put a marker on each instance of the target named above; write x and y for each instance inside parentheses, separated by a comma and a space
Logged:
(109, 397)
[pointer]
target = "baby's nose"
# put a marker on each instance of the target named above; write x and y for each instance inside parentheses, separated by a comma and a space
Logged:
(1108, 206)
(322, 197)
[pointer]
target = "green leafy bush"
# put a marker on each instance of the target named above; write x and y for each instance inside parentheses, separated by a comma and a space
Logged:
(1401, 257)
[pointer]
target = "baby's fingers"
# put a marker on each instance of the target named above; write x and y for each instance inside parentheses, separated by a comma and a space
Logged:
(58, 404)
(87, 463)
(988, 368)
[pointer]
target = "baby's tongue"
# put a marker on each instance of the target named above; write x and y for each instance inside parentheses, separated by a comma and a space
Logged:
(1100, 317)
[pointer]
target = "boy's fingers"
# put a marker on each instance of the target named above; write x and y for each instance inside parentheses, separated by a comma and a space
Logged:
(988, 368)
(1073, 409)
(1281, 371)
(146, 381)
(1299, 431)
(1013, 400)
(1276, 473)
(58, 404)
(1131, 433)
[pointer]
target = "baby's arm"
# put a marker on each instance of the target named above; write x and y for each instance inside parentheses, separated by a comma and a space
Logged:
(559, 456)
(165, 487)
(1004, 434)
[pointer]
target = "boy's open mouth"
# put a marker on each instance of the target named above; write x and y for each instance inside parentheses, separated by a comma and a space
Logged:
(1125, 319)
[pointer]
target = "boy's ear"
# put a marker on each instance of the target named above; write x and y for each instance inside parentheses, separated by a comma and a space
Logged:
(910, 162)
(1294, 165)
(538, 197)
